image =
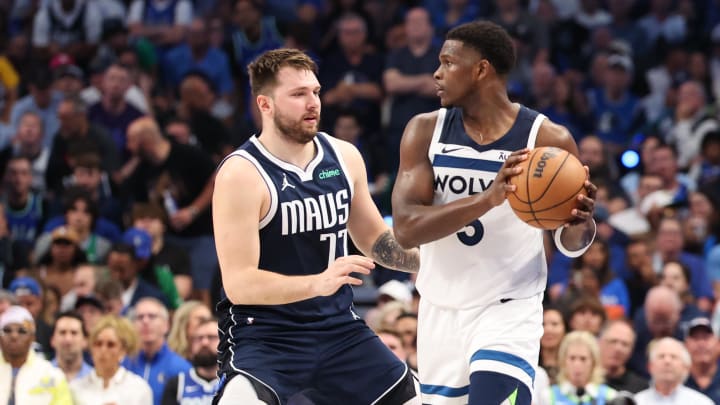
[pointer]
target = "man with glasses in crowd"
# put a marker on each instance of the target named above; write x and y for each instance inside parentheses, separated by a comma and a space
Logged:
(156, 362)
(25, 377)
(199, 384)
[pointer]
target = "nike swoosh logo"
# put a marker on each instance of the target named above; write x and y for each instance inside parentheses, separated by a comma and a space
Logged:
(446, 149)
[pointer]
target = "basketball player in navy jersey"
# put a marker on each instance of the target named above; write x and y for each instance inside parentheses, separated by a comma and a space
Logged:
(482, 270)
(284, 206)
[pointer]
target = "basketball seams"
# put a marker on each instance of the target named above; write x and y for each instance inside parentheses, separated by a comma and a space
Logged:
(557, 204)
(552, 179)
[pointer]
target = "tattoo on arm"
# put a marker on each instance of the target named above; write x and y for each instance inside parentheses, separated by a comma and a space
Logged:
(387, 251)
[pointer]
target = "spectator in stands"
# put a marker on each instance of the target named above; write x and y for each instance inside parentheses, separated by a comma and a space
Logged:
(670, 247)
(706, 170)
(198, 55)
(663, 22)
(77, 136)
(89, 176)
(195, 107)
(693, 120)
(406, 327)
(164, 177)
(124, 267)
(632, 220)
(69, 79)
(155, 362)
(676, 276)
(113, 113)
(200, 383)
(159, 277)
(28, 142)
(8, 266)
(613, 293)
(90, 310)
(616, 345)
(185, 321)
(535, 43)
(7, 299)
(554, 330)
(701, 342)
(624, 28)
(580, 378)
(408, 78)
(151, 219)
(56, 267)
(9, 82)
(162, 23)
(69, 339)
(81, 215)
(41, 100)
(356, 75)
(392, 340)
(136, 95)
(25, 209)
(614, 107)
(587, 313)
(29, 295)
(659, 318)
(27, 378)
(73, 26)
(669, 366)
(111, 340)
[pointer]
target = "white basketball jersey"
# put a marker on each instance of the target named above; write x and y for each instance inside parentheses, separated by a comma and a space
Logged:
(498, 256)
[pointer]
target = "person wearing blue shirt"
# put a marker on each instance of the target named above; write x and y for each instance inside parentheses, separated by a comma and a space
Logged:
(155, 362)
(69, 339)
(198, 55)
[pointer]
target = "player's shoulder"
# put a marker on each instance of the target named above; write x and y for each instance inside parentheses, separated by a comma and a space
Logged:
(553, 134)
(238, 169)
(424, 122)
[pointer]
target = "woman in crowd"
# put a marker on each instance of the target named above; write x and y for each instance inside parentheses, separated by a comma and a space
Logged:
(186, 318)
(554, 330)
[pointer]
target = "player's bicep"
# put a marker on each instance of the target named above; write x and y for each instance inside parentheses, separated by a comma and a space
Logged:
(552, 134)
(238, 201)
(414, 182)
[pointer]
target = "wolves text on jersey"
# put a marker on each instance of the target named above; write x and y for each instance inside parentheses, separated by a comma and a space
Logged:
(461, 184)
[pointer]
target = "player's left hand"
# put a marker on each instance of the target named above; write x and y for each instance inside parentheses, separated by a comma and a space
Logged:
(586, 203)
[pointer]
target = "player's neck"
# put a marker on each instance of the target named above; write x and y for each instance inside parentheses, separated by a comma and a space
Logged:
(287, 150)
(489, 115)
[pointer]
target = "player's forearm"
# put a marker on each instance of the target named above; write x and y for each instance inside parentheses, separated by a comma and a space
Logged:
(387, 251)
(262, 287)
(419, 224)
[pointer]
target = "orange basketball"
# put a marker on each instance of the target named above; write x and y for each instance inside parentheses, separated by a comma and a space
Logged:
(547, 188)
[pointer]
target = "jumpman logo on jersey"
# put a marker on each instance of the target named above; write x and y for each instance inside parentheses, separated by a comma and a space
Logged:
(285, 183)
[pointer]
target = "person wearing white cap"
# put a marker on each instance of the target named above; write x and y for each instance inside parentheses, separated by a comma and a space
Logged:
(25, 377)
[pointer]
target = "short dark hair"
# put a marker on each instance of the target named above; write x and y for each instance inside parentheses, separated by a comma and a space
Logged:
(75, 194)
(710, 138)
(490, 40)
(72, 315)
(263, 70)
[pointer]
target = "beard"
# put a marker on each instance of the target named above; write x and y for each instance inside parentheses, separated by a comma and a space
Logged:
(298, 130)
(206, 357)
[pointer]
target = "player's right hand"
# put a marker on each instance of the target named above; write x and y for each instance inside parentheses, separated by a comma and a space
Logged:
(338, 274)
(501, 186)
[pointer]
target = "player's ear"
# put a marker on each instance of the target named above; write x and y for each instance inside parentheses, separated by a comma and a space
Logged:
(264, 103)
(482, 68)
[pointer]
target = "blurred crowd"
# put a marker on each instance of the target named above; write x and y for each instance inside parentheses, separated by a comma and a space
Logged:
(115, 113)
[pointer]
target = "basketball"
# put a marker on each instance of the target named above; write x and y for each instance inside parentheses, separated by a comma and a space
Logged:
(547, 188)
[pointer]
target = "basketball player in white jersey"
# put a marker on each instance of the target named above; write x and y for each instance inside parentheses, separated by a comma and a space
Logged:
(482, 270)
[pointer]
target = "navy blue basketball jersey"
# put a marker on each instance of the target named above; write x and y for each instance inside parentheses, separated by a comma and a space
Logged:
(153, 15)
(195, 390)
(305, 229)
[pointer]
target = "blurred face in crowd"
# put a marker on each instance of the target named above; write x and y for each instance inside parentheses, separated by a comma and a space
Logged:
(198, 35)
(203, 345)
(78, 217)
(197, 316)
(702, 345)
(648, 184)
(674, 278)
(30, 133)
(667, 365)
(543, 78)
(19, 176)
(347, 128)
(71, 120)
(586, 319)
(116, 82)
(617, 79)
(406, 327)
(32, 303)
(670, 236)
(578, 364)
(151, 322)
(246, 14)
(68, 339)
(662, 314)
(90, 315)
(196, 94)
(153, 226)
(16, 340)
(84, 280)
(352, 34)
(394, 344)
(42, 97)
(62, 251)
(700, 205)
(417, 25)
(122, 267)
(88, 178)
(664, 164)
(591, 152)
(107, 352)
(616, 345)
(595, 257)
(553, 329)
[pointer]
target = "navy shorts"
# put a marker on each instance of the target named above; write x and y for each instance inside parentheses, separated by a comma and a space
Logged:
(333, 361)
